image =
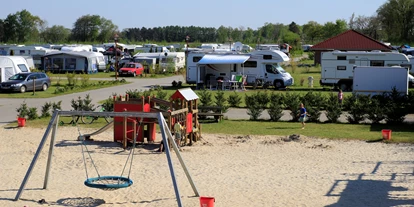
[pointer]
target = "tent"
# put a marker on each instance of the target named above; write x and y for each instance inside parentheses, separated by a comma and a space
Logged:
(69, 61)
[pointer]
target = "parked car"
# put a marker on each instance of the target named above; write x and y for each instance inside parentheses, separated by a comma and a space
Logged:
(23, 82)
(133, 69)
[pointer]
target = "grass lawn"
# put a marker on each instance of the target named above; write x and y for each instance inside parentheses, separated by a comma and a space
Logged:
(400, 133)
(50, 92)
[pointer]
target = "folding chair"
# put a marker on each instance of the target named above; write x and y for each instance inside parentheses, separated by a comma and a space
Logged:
(213, 82)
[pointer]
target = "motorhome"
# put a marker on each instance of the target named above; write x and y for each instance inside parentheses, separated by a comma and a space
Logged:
(36, 52)
(151, 48)
(338, 66)
(167, 60)
(379, 80)
(148, 63)
(258, 66)
(10, 65)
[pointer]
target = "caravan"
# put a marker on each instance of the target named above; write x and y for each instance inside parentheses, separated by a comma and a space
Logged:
(167, 60)
(11, 65)
(338, 67)
(259, 67)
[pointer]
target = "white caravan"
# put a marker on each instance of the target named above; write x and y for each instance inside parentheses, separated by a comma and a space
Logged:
(166, 60)
(148, 63)
(379, 80)
(261, 66)
(337, 66)
(10, 65)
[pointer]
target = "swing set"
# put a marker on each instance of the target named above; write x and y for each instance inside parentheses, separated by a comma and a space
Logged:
(108, 182)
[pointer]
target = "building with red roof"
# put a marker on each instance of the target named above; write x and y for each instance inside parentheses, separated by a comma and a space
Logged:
(350, 40)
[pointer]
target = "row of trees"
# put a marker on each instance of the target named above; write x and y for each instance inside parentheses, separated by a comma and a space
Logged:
(392, 22)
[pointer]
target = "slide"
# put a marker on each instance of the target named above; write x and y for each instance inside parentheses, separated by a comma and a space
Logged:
(104, 128)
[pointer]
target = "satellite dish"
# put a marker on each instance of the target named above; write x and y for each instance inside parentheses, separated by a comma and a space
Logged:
(238, 46)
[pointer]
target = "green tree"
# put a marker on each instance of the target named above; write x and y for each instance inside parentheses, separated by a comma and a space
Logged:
(107, 30)
(56, 34)
(331, 29)
(312, 32)
(1, 30)
(27, 26)
(86, 28)
(293, 27)
(396, 19)
(11, 28)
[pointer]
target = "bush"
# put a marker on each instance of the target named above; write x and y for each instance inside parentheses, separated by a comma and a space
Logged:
(205, 98)
(23, 110)
(262, 98)
(82, 104)
(234, 99)
(46, 109)
(292, 102)
(161, 94)
(313, 102)
(108, 104)
(396, 107)
(254, 109)
(174, 83)
(71, 79)
(134, 93)
(275, 110)
(57, 106)
(333, 108)
(356, 106)
(32, 115)
(221, 101)
(84, 80)
(311, 55)
(376, 111)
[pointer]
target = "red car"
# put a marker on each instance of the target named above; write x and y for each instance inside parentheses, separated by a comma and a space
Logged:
(133, 69)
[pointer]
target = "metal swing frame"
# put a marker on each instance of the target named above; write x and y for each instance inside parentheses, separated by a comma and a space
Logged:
(53, 126)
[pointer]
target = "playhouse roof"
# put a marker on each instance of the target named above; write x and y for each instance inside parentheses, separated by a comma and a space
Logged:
(185, 93)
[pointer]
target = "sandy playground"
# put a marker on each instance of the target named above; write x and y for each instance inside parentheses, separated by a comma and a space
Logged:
(235, 170)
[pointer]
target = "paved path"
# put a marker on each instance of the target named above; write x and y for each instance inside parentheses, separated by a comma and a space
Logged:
(8, 106)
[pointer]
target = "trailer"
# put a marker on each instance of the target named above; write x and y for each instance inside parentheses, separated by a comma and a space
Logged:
(261, 67)
(166, 60)
(380, 80)
(11, 65)
(337, 66)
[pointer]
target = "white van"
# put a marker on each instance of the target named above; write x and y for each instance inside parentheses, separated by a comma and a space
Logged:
(10, 65)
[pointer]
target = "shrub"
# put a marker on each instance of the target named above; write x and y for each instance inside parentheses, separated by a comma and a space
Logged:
(275, 110)
(32, 115)
(234, 99)
(84, 80)
(57, 106)
(221, 101)
(205, 98)
(333, 108)
(356, 106)
(396, 107)
(292, 102)
(311, 55)
(146, 93)
(23, 110)
(313, 102)
(377, 108)
(134, 93)
(82, 104)
(161, 94)
(71, 79)
(262, 98)
(46, 109)
(108, 104)
(179, 83)
(174, 83)
(254, 109)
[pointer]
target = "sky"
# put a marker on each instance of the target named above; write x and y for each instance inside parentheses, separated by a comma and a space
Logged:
(210, 13)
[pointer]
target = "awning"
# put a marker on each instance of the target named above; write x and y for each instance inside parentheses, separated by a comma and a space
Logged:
(223, 59)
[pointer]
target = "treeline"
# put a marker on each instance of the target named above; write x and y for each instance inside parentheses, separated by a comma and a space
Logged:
(392, 22)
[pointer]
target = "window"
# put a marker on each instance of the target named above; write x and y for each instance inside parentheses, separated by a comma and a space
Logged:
(341, 67)
(196, 59)
(250, 64)
(23, 68)
(341, 58)
(352, 61)
(267, 57)
(377, 63)
(57, 63)
(70, 63)
(269, 69)
(22, 52)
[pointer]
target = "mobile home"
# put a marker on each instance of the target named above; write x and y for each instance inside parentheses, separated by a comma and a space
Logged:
(338, 66)
(10, 65)
(148, 63)
(166, 60)
(68, 61)
(260, 65)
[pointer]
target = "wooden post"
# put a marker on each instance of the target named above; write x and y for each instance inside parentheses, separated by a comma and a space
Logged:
(124, 140)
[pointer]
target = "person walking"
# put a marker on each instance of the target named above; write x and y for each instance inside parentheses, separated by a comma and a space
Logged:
(340, 97)
(302, 115)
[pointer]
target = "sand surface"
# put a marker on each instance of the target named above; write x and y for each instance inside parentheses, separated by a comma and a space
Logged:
(235, 170)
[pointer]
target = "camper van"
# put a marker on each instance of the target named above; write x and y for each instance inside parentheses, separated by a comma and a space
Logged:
(10, 65)
(167, 60)
(338, 66)
(148, 63)
(258, 66)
